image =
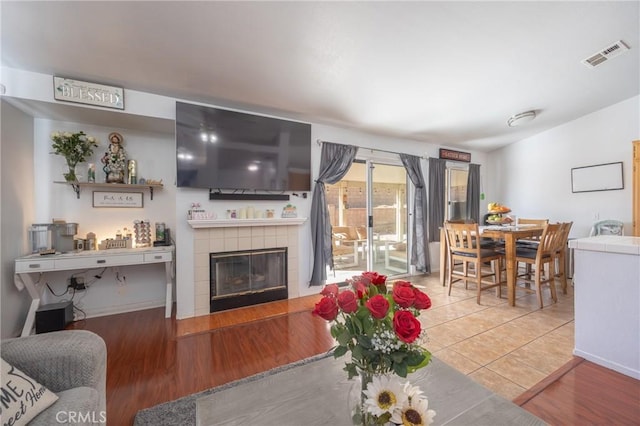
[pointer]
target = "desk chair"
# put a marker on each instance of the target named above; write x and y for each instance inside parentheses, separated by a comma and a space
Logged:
(464, 246)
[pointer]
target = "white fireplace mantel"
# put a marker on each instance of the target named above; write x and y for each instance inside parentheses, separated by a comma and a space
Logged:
(234, 223)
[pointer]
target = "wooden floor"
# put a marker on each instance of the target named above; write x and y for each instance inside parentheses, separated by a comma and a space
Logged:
(152, 359)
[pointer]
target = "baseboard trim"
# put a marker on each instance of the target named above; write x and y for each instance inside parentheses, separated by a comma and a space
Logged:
(121, 309)
(607, 363)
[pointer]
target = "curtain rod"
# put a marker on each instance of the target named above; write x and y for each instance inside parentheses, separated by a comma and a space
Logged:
(320, 141)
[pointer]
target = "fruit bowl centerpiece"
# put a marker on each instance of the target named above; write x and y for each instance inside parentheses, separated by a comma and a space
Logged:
(496, 208)
(496, 211)
(499, 220)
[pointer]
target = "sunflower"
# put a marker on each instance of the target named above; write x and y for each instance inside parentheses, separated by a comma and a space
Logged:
(412, 391)
(384, 395)
(414, 412)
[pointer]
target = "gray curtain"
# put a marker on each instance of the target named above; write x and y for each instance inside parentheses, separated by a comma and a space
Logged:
(335, 162)
(437, 186)
(473, 193)
(420, 243)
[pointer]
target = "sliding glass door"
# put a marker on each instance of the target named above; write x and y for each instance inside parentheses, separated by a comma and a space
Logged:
(389, 212)
(368, 212)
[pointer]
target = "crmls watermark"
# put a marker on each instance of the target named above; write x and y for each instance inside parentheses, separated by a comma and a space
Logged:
(88, 417)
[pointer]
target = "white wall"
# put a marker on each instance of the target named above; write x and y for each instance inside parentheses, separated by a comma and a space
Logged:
(184, 198)
(143, 286)
(155, 152)
(533, 176)
(16, 210)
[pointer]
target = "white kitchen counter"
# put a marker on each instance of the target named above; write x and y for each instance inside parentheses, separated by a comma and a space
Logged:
(608, 244)
(607, 301)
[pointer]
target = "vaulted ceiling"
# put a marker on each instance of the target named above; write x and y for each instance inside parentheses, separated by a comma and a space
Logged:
(449, 73)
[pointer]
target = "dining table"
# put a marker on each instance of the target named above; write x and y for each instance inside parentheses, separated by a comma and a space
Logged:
(507, 233)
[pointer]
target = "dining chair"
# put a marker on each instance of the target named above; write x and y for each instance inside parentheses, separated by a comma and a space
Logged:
(464, 246)
(530, 242)
(561, 254)
(542, 258)
(534, 240)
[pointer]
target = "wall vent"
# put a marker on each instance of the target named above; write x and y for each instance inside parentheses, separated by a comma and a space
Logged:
(605, 54)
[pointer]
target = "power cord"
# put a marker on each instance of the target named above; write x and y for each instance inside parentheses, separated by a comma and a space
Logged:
(61, 294)
(84, 314)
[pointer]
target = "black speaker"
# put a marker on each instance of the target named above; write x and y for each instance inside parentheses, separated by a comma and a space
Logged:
(53, 317)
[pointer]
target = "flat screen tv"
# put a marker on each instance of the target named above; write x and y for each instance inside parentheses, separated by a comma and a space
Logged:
(221, 149)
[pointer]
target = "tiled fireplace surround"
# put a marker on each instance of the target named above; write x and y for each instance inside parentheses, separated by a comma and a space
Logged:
(232, 238)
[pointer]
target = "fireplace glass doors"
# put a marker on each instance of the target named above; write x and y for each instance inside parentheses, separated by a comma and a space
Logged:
(243, 278)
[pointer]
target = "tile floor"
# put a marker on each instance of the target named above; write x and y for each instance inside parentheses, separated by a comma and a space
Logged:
(506, 349)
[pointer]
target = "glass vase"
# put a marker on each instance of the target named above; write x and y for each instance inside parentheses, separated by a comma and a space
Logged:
(70, 176)
(357, 397)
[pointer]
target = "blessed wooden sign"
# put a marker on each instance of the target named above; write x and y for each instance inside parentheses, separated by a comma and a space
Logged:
(65, 89)
(448, 154)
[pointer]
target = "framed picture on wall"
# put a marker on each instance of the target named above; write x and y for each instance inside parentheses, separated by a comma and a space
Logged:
(599, 177)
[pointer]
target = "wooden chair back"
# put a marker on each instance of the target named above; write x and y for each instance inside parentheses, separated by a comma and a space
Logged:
(564, 237)
(463, 241)
(463, 238)
(561, 254)
(545, 254)
(541, 222)
(550, 240)
(461, 221)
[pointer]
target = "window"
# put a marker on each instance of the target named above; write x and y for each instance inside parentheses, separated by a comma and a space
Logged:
(456, 193)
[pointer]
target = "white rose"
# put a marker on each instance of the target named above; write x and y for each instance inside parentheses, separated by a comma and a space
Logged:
(91, 139)
(67, 134)
(55, 135)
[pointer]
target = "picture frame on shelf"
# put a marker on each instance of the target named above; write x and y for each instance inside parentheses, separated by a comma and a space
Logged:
(118, 199)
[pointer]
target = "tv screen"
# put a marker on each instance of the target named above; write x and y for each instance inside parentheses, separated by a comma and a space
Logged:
(223, 149)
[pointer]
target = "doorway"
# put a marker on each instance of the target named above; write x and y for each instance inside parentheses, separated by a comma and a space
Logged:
(368, 211)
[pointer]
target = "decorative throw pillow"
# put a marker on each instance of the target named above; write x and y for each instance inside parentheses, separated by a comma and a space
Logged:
(21, 397)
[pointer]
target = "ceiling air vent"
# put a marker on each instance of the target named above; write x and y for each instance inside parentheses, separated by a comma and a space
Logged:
(605, 54)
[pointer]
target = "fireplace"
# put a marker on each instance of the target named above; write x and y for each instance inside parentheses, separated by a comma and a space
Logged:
(243, 278)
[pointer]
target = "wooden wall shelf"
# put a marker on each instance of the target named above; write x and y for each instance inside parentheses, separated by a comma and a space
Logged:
(113, 186)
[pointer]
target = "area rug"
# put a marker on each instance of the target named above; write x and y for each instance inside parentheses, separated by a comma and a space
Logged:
(182, 411)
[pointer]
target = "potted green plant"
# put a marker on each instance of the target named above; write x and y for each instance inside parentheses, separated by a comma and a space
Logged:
(75, 148)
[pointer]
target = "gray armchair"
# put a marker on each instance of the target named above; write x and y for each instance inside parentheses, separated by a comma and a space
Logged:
(72, 364)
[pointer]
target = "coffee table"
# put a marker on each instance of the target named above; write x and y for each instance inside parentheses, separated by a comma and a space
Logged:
(316, 394)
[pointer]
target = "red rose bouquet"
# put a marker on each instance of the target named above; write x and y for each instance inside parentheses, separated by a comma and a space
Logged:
(379, 327)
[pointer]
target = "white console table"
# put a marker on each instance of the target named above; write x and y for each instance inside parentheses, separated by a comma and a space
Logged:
(26, 266)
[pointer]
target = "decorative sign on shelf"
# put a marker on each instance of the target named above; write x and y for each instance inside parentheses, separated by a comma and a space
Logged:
(117, 199)
(289, 211)
(83, 92)
(448, 154)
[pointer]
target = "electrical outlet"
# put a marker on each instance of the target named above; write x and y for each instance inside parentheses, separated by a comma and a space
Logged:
(77, 283)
